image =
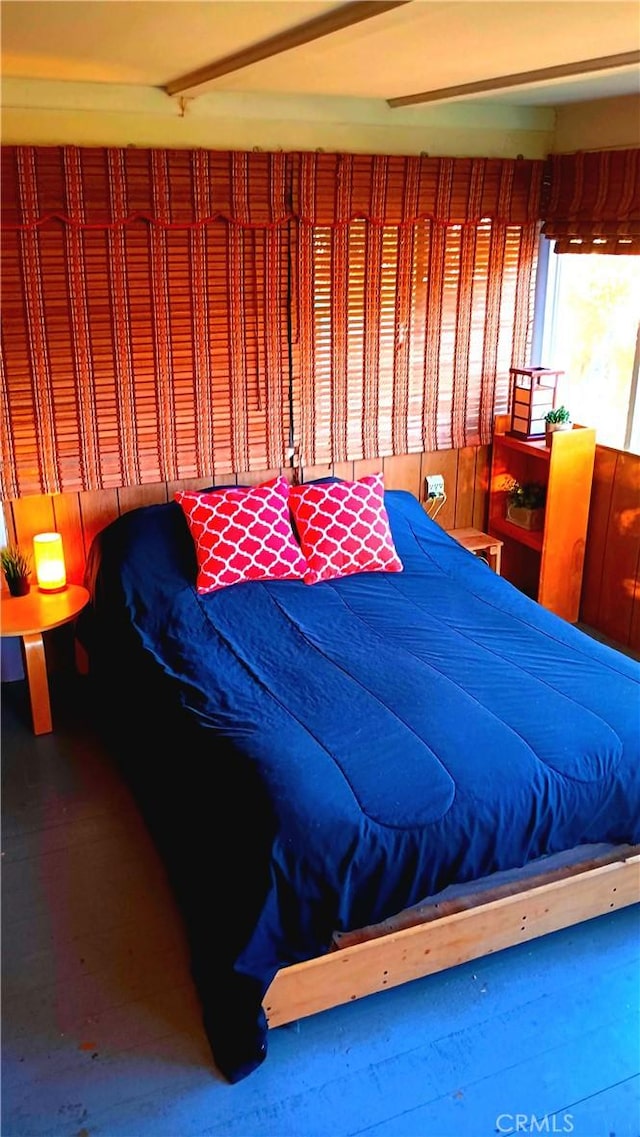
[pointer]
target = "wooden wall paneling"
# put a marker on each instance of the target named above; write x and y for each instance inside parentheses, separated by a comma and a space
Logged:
(97, 509)
(310, 473)
(31, 515)
(402, 472)
(429, 464)
(634, 634)
(188, 484)
(337, 470)
(483, 511)
(344, 470)
(79, 517)
(68, 522)
(225, 478)
(465, 487)
(604, 472)
(134, 497)
(256, 477)
(481, 487)
(9, 525)
(620, 560)
(364, 466)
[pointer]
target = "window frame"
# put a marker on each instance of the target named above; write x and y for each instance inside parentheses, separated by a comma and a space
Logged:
(545, 321)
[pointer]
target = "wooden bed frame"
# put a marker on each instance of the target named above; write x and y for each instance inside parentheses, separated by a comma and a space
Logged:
(454, 932)
(448, 933)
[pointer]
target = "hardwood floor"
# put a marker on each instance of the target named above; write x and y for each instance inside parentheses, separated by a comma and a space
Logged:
(101, 1024)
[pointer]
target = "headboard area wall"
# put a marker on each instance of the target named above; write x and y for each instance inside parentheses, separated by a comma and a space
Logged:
(80, 516)
(611, 584)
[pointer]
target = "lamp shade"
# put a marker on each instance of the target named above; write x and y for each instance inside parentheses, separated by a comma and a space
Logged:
(533, 393)
(48, 556)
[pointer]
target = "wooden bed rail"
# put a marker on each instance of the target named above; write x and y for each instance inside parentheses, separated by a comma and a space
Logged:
(411, 953)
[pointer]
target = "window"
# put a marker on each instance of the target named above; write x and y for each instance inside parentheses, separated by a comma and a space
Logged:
(590, 329)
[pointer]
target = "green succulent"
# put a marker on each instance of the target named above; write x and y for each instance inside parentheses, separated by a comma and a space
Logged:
(558, 414)
(14, 563)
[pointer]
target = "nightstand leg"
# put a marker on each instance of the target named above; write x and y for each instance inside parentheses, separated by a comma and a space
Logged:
(38, 682)
(82, 659)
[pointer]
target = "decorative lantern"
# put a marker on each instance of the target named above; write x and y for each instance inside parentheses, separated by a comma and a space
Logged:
(48, 556)
(533, 393)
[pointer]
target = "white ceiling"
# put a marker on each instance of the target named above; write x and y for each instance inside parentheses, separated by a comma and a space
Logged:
(423, 45)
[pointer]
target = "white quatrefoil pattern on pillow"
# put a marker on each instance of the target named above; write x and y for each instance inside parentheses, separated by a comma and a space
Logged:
(344, 528)
(242, 533)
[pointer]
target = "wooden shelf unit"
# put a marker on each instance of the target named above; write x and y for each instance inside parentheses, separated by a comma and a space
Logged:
(546, 564)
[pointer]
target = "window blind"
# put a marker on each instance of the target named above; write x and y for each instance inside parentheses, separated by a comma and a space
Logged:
(185, 314)
(414, 298)
(591, 202)
(144, 316)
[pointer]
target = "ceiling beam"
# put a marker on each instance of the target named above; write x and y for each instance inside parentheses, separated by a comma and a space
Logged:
(334, 21)
(502, 82)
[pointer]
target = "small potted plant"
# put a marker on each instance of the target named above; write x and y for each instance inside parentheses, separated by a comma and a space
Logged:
(556, 419)
(525, 504)
(16, 567)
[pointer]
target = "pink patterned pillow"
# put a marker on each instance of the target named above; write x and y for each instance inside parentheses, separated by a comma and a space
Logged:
(344, 528)
(242, 533)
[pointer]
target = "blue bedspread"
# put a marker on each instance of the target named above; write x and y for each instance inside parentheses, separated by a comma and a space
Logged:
(362, 742)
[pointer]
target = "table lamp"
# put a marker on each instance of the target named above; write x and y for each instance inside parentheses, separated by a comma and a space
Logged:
(533, 393)
(48, 556)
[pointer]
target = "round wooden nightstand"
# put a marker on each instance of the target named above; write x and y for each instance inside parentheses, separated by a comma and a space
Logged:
(28, 617)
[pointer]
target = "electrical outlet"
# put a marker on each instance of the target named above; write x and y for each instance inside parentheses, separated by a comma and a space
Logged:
(434, 485)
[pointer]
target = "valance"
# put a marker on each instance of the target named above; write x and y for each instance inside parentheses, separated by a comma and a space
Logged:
(102, 189)
(591, 202)
(336, 189)
(106, 189)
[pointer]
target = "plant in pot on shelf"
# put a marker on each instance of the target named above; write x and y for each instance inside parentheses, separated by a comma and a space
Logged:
(525, 504)
(16, 567)
(557, 419)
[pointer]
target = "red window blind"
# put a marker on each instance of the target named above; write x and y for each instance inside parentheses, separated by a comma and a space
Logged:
(144, 316)
(414, 296)
(591, 202)
(178, 314)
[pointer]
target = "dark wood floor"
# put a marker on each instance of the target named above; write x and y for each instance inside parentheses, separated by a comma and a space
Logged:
(101, 1026)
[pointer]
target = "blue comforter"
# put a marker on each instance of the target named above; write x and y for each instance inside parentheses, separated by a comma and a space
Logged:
(333, 753)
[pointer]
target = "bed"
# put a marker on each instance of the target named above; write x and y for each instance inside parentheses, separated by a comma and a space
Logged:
(330, 770)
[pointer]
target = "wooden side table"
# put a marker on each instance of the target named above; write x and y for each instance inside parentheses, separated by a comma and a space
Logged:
(481, 544)
(28, 617)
